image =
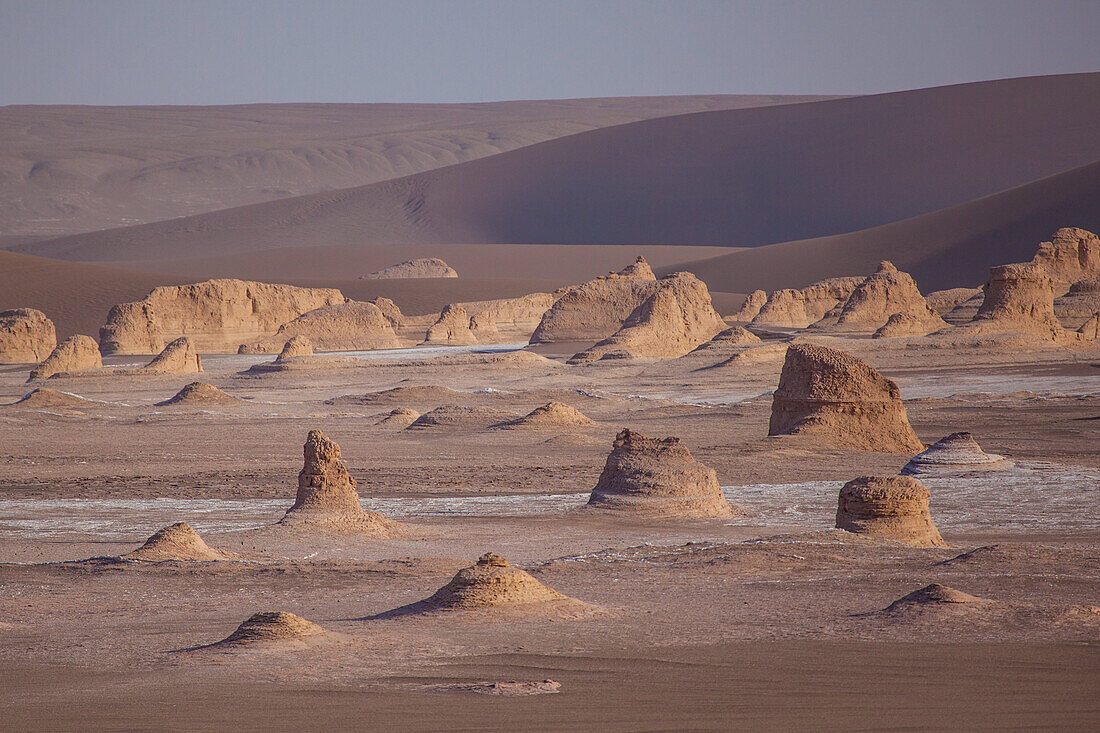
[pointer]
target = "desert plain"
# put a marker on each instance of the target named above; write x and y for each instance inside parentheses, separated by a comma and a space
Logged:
(466, 448)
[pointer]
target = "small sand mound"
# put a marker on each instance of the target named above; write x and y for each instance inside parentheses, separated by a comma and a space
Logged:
(416, 395)
(454, 416)
(658, 478)
(44, 397)
(199, 393)
(933, 595)
(552, 415)
(419, 267)
(957, 452)
(27, 336)
(327, 498)
(271, 626)
(401, 418)
(452, 328)
(890, 507)
(296, 346)
(727, 341)
(754, 355)
(494, 584)
(178, 357)
(75, 354)
(841, 400)
(176, 542)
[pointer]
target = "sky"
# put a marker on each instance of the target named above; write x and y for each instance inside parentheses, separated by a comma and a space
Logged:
(126, 52)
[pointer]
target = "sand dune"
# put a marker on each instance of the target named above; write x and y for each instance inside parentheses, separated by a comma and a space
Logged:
(740, 177)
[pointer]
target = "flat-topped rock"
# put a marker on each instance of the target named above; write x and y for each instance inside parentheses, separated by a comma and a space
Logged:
(27, 336)
(351, 326)
(888, 507)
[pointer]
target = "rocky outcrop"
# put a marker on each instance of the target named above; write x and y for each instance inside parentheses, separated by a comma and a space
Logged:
(1090, 329)
(50, 399)
(74, 354)
(296, 346)
(935, 594)
(177, 542)
(1079, 304)
(199, 393)
(943, 302)
(906, 324)
(658, 479)
(751, 307)
(1070, 256)
(840, 400)
(597, 308)
(678, 317)
(452, 328)
(731, 337)
(400, 418)
(1019, 298)
(178, 357)
(26, 336)
(800, 308)
(271, 627)
(416, 268)
(957, 453)
(888, 507)
(217, 315)
(551, 416)
(461, 416)
(508, 319)
(327, 498)
(351, 326)
(886, 292)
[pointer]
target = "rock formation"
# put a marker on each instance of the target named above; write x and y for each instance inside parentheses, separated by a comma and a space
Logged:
(935, 595)
(800, 308)
(956, 453)
(461, 416)
(1019, 298)
(675, 319)
(326, 494)
(401, 418)
(1090, 329)
(199, 393)
(732, 340)
(351, 326)
(886, 292)
(889, 507)
(178, 357)
(390, 311)
(177, 542)
(907, 324)
(271, 627)
(751, 307)
(596, 309)
(1079, 304)
(1070, 256)
(508, 319)
(452, 328)
(943, 302)
(840, 400)
(659, 479)
(74, 354)
(217, 315)
(296, 346)
(551, 416)
(26, 336)
(415, 268)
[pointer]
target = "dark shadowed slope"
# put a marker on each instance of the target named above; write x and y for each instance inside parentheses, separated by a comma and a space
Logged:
(742, 177)
(67, 169)
(950, 248)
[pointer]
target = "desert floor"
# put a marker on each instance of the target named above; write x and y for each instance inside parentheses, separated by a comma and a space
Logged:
(771, 621)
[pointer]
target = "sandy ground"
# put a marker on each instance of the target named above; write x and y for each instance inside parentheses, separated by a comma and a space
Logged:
(771, 621)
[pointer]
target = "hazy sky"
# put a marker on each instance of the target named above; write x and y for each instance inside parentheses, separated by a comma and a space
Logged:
(207, 52)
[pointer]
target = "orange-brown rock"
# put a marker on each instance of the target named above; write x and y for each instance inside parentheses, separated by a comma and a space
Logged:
(271, 627)
(508, 319)
(751, 307)
(840, 400)
(1090, 329)
(943, 302)
(217, 315)
(178, 357)
(935, 594)
(451, 329)
(327, 497)
(678, 317)
(74, 354)
(1079, 304)
(886, 292)
(296, 346)
(596, 309)
(889, 507)
(26, 336)
(551, 416)
(799, 308)
(907, 324)
(1019, 298)
(1070, 256)
(420, 267)
(658, 479)
(724, 341)
(351, 326)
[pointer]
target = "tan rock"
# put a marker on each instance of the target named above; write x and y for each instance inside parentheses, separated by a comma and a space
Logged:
(726, 340)
(420, 267)
(178, 357)
(327, 498)
(840, 400)
(943, 302)
(889, 507)
(659, 479)
(26, 336)
(508, 320)
(1019, 298)
(678, 317)
(452, 328)
(74, 354)
(400, 418)
(596, 309)
(351, 326)
(1079, 304)
(1070, 256)
(965, 311)
(906, 324)
(956, 453)
(217, 315)
(271, 627)
(1090, 329)
(551, 416)
(390, 311)
(884, 293)
(177, 542)
(461, 416)
(199, 393)
(296, 346)
(751, 307)
(799, 308)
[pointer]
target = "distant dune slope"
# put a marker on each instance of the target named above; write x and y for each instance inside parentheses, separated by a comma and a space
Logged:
(954, 247)
(68, 169)
(741, 177)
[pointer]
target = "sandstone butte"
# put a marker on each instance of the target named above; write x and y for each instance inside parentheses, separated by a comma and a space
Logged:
(799, 308)
(672, 321)
(885, 294)
(420, 267)
(888, 507)
(1071, 255)
(217, 315)
(840, 400)
(596, 309)
(74, 354)
(451, 329)
(751, 307)
(1019, 298)
(350, 326)
(27, 336)
(178, 357)
(658, 479)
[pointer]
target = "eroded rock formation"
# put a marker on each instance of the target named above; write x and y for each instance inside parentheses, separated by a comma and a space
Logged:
(551, 416)
(178, 357)
(177, 542)
(1070, 256)
(799, 308)
(199, 393)
(296, 346)
(1079, 304)
(27, 336)
(886, 292)
(415, 268)
(955, 453)
(351, 326)
(452, 328)
(889, 507)
(1019, 298)
(751, 307)
(74, 354)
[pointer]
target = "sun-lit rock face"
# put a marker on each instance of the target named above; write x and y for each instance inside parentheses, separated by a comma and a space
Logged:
(27, 336)
(178, 357)
(351, 326)
(1071, 255)
(888, 507)
(452, 328)
(177, 542)
(885, 293)
(840, 400)
(799, 308)
(74, 354)
(1019, 298)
